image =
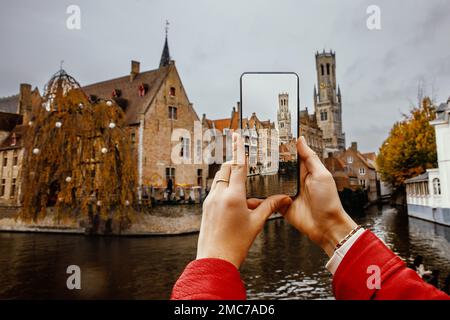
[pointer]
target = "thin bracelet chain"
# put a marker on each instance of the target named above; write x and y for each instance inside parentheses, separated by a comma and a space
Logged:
(341, 243)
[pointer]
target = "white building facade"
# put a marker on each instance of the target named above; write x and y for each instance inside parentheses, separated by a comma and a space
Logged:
(428, 195)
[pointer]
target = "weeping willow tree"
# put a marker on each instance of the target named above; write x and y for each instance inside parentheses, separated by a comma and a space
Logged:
(78, 158)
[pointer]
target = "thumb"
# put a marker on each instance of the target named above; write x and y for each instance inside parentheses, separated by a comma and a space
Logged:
(278, 203)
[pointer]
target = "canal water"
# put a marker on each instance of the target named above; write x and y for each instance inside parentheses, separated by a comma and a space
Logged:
(282, 264)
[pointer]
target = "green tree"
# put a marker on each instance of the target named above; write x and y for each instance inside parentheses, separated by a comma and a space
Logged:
(410, 148)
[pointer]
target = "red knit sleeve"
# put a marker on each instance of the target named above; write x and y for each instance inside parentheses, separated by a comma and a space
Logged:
(209, 279)
(354, 277)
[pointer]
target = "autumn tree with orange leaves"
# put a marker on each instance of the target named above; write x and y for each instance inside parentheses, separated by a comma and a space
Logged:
(410, 148)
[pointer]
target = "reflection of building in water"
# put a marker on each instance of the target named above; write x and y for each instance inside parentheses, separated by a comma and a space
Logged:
(284, 118)
(428, 195)
(260, 140)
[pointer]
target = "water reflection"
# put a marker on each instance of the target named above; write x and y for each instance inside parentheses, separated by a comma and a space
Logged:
(282, 264)
(263, 186)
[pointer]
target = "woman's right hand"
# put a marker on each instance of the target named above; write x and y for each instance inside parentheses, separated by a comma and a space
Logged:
(317, 211)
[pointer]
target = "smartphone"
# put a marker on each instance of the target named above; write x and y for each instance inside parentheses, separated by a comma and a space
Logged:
(269, 123)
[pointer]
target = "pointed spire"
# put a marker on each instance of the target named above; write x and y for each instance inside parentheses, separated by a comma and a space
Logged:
(339, 90)
(165, 56)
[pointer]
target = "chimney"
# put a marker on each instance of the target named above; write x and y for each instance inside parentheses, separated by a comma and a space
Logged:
(24, 98)
(354, 146)
(135, 65)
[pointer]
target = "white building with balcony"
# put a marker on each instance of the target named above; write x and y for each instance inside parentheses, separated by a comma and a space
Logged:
(428, 195)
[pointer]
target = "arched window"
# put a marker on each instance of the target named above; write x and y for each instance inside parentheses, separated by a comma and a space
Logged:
(328, 68)
(322, 69)
(436, 186)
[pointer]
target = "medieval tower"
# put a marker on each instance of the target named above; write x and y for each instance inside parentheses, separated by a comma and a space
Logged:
(327, 102)
(284, 118)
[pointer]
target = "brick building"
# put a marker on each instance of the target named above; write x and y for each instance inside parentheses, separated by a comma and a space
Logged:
(312, 132)
(259, 139)
(356, 164)
(14, 113)
(156, 105)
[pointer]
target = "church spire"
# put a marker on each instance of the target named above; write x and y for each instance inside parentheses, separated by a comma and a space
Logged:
(165, 56)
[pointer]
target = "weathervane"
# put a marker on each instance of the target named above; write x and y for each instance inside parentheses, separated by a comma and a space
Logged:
(61, 64)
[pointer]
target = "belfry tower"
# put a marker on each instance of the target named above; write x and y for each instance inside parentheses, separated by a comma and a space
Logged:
(328, 102)
(284, 118)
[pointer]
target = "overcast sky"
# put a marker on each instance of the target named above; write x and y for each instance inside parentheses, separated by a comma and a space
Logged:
(213, 42)
(260, 95)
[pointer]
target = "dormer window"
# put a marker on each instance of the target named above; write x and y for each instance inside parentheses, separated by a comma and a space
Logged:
(142, 90)
(172, 91)
(116, 93)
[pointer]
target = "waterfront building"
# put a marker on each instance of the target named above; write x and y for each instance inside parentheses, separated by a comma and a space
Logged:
(428, 194)
(344, 178)
(260, 141)
(328, 102)
(15, 111)
(360, 166)
(313, 134)
(155, 104)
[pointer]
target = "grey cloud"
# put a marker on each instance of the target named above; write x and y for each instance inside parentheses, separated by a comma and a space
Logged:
(213, 42)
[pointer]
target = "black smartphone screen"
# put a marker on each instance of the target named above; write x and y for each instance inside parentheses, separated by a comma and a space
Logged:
(269, 122)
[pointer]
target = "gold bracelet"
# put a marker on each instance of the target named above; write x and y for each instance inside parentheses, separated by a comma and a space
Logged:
(341, 243)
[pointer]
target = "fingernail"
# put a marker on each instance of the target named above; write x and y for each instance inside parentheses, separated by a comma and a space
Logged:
(303, 139)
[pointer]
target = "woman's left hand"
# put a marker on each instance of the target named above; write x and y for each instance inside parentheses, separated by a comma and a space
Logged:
(230, 222)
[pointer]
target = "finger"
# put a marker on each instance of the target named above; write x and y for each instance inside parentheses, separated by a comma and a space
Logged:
(278, 203)
(253, 203)
(238, 176)
(222, 174)
(238, 149)
(310, 159)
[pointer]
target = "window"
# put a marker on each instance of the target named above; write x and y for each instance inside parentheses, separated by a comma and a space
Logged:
(362, 171)
(185, 148)
(12, 192)
(172, 92)
(436, 186)
(15, 158)
(2, 188)
(170, 174)
(5, 159)
(322, 69)
(362, 183)
(323, 116)
(199, 150)
(133, 138)
(172, 113)
(349, 159)
(328, 68)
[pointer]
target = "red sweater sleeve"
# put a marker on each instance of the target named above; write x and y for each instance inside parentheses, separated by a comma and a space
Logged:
(209, 279)
(397, 282)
